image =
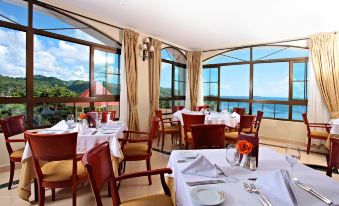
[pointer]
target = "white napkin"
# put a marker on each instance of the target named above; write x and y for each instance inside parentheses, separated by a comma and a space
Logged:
(184, 110)
(236, 115)
(62, 125)
(273, 186)
(202, 167)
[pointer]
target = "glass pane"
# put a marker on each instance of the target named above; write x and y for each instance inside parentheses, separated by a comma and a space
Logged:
(81, 108)
(298, 90)
(47, 114)
(264, 53)
(108, 106)
(7, 110)
(299, 71)
(223, 105)
(166, 80)
(297, 110)
(179, 102)
(179, 73)
(211, 89)
(281, 111)
(234, 81)
(61, 69)
(213, 105)
(179, 88)
(106, 73)
(210, 75)
(14, 11)
(268, 110)
(271, 81)
(230, 105)
(257, 107)
(173, 54)
(245, 105)
(165, 104)
(13, 63)
(57, 23)
(232, 56)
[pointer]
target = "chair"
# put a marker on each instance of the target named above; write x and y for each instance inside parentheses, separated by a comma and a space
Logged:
(177, 108)
(91, 118)
(135, 149)
(105, 116)
(241, 111)
(63, 168)
(12, 126)
(208, 136)
(188, 120)
(173, 129)
(256, 126)
(315, 134)
(99, 168)
(333, 156)
(246, 121)
(199, 108)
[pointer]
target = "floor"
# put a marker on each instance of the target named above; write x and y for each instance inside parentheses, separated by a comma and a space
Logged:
(129, 188)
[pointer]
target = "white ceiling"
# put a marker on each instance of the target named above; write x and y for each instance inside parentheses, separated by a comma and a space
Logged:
(211, 24)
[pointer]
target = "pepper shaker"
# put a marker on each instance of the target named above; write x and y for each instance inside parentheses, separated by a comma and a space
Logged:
(253, 163)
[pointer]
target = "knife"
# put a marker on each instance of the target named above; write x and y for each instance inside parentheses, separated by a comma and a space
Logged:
(286, 177)
(220, 170)
(204, 182)
(308, 189)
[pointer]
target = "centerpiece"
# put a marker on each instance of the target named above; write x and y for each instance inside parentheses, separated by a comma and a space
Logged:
(245, 148)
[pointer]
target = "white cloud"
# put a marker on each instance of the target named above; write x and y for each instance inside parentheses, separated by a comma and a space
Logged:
(272, 88)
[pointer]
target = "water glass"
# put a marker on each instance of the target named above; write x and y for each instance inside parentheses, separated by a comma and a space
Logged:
(292, 155)
(232, 157)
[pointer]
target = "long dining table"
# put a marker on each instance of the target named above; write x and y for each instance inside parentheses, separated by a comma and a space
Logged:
(235, 194)
(87, 139)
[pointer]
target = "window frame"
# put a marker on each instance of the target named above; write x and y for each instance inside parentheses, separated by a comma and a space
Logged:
(29, 99)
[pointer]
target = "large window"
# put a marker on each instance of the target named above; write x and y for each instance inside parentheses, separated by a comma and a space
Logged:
(272, 79)
(173, 78)
(54, 65)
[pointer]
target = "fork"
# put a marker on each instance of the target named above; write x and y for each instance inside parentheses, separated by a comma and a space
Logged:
(248, 189)
(254, 189)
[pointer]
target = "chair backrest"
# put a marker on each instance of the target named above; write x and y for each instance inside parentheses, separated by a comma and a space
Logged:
(158, 113)
(97, 162)
(189, 119)
(105, 116)
(258, 119)
(208, 135)
(52, 147)
(177, 108)
(246, 121)
(254, 139)
(153, 132)
(113, 113)
(241, 111)
(304, 115)
(12, 126)
(91, 118)
(334, 153)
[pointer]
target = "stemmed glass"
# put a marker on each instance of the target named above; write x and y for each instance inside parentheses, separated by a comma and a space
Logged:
(292, 155)
(98, 120)
(232, 157)
(70, 120)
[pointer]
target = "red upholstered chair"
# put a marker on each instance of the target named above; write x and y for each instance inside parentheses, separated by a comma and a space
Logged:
(12, 126)
(140, 148)
(177, 108)
(63, 168)
(322, 135)
(254, 139)
(113, 113)
(199, 108)
(246, 121)
(241, 111)
(105, 116)
(333, 156)
(167, 126)
(188, 120)
(91, 117)
(208, 135)
(256, 126)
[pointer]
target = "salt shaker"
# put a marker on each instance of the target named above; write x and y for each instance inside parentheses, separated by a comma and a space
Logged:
(253, 163)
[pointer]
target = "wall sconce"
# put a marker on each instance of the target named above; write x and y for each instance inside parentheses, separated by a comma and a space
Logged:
(147, 49)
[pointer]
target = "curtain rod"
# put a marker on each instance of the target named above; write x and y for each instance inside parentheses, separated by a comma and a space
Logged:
(174, 46)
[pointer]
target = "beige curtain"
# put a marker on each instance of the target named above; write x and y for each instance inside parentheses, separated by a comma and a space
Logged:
(154, 65)
(131, 66)
(194, 72)
(324, 50)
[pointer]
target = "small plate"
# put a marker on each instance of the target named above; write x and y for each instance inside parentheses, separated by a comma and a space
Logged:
(207, 195)
(188, 155)
(108, 131)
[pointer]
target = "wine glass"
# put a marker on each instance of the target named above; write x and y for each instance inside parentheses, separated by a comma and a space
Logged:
(292, 155)
(98, 120)
(70, 120)
(232, 157)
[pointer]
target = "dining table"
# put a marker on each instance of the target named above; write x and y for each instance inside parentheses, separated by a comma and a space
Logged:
(87, 139)
(235, 194)
(334, 132)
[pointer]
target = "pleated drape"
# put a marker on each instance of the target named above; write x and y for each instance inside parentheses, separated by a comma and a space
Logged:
(194, 70)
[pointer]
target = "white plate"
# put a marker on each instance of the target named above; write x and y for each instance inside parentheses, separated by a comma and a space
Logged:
(108, 131)
(207, 195)
(188, 154)
(51, 132)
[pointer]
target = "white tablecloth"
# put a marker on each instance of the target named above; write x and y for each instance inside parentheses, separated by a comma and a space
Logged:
(87, 141)
(235, 194)
(335, 126)
(213, 118)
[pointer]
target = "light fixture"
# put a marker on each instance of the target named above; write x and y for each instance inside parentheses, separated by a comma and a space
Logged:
(147, 49)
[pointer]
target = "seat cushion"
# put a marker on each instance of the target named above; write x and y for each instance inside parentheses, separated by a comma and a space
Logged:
(152, 200)
(58, 171)
(135, 149)
(247, 130)
(320, 134)
(17, 153)
(189, 137)
(231, 135)
(170, 129)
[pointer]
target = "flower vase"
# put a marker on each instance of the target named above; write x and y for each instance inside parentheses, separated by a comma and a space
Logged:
(245, 161)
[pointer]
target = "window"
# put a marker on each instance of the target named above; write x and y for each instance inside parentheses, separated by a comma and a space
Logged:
(173, 78)
(72, 63)
(278, 86)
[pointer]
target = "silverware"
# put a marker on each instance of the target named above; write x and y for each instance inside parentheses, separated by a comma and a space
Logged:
(254, 189)
(204, 182)
(286, 176)
(220, 170)
(248, 189)
(93, 133)
(313, 192)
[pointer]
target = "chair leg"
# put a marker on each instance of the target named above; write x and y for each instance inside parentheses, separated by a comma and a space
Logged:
(124, 166)
(109, 189)
(329, 171)
(41, 198)
(11, 174)
(172, 138)
(53, 194)
(158, 139)
(148, 163)
(74, 195)
(163, 141)
(308, 145)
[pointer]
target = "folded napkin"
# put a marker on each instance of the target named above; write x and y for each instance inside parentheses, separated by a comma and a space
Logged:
(184, 110)
(202, 167)
(276, 187)
(62, 125)
(236, 115)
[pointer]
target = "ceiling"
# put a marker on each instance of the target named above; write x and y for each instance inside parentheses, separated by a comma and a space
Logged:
(203, 24)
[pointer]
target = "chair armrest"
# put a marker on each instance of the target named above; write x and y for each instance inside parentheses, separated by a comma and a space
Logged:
(16, 140)
(134, 132)
(319, 124)
(124, 141)
(168, 118)
(172, 122)
(160, 172)
(236, 128)
(79, 157)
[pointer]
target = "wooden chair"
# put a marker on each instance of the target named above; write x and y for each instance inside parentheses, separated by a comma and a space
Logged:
(256, 126)
(177, 108)
(199, 108)
(246, 121)
(135, 149)
(241, 111)
(208, 136)
(172, 128)
(63, 168)
(188, 120)
(12, 126)
(322, 135)
(99, 167)
(333, 156)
